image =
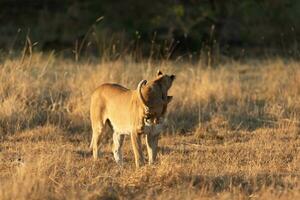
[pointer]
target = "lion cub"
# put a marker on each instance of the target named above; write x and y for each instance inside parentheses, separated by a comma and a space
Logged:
(130, 112)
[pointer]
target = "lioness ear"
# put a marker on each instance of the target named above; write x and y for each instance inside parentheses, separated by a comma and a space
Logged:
(172, 77)
(159, 73)
(169, 99)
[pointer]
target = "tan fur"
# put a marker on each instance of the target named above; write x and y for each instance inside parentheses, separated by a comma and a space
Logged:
(155, 93)
(126, 111)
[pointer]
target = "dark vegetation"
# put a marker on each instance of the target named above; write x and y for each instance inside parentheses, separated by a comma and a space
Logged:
(159, 29)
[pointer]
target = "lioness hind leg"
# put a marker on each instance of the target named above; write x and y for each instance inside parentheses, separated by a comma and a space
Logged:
(97, 132)
(117, 145)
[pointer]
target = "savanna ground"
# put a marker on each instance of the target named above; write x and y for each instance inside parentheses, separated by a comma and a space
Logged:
(233, 131)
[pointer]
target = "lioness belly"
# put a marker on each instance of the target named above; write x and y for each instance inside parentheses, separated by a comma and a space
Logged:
(153, 129)
(121, 122)
(122, 130)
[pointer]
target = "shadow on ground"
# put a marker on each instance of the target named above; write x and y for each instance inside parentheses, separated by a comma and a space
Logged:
(247, 185)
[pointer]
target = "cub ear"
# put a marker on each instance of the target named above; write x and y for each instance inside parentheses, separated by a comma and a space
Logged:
(172, 77)
(169, 99)
(159, 73)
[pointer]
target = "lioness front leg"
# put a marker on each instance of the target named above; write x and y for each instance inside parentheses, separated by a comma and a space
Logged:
(137, 149)
(151, 142)
(117, 145)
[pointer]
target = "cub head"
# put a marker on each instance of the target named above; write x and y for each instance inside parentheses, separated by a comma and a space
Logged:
(164, 82)
(154, 94)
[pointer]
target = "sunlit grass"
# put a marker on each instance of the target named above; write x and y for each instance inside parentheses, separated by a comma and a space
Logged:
(233, 131)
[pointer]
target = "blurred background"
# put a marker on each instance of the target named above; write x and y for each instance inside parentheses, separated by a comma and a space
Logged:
(156, 28)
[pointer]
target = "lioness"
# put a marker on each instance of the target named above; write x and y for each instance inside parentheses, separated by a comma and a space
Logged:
(130, 112)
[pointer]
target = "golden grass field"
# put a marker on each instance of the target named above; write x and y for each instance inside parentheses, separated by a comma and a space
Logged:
(233, 131)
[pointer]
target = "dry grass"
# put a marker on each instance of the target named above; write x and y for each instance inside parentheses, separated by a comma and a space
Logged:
(233, 132)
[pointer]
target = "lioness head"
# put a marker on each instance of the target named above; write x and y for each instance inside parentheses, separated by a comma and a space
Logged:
(154, 94)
